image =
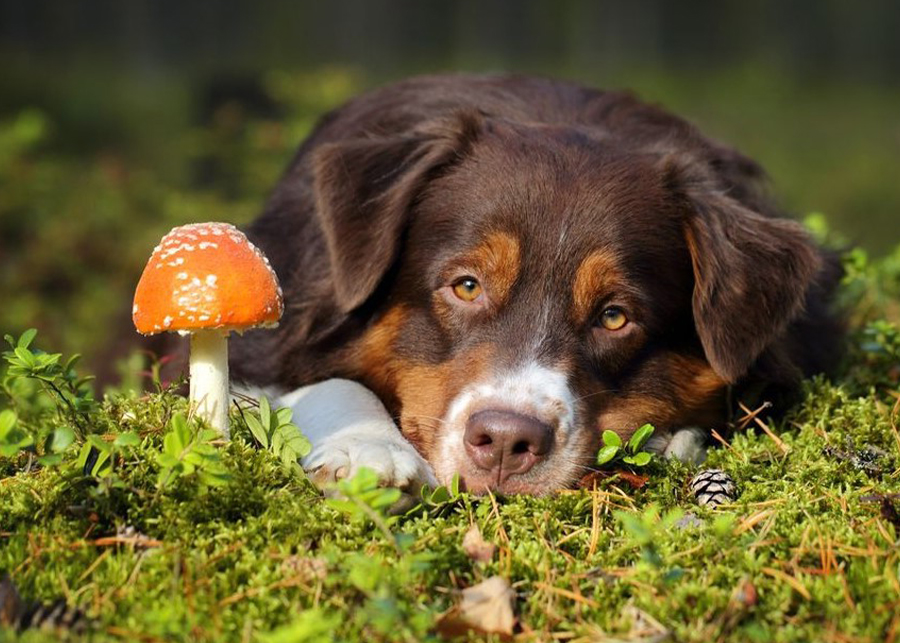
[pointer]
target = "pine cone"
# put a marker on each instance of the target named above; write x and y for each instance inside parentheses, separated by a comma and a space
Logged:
(713, 487)
(15, 613)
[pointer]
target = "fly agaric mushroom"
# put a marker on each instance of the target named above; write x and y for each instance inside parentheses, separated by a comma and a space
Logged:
(206, 280)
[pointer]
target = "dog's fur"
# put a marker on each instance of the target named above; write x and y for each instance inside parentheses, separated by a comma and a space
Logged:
(561, 201)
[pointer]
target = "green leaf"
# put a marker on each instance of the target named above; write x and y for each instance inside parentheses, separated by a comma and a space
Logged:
(299, 443)
(215, 478)
(101, 465)
(9, 450)
(439, 495)
(454, 485)
(640, 437)
(99, 443)
(183, 431)
(265, 414)
(606, 454)
(50, 460)
(639, 460)
(611, 439)
(256, 428)
(166, 461)
(47, 360)
(7, 422)
(642, 459)
(284, 415)
(71, 362)
(172, 444)
(62, 439)
(26, 338)
(25, 356)
(127, 439)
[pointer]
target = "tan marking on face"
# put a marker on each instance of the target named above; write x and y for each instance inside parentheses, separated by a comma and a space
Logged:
(424, 392)
(497, 261)
(698, 400)
(595, 275)
(416, 393)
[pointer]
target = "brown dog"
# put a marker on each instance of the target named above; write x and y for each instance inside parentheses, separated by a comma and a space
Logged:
(513, 265)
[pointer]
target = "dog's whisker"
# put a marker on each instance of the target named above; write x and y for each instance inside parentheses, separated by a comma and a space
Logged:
(603, 392)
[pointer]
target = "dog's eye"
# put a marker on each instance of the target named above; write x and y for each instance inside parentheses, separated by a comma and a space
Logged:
(468, 289)
(613, 318)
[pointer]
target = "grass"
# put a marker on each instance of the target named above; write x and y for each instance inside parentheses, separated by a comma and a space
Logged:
(243, 548)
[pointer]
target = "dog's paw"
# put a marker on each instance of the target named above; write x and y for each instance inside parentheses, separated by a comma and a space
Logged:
(396, 462)
(687, 445)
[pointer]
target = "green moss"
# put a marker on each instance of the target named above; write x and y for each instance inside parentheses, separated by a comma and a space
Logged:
(264, 551)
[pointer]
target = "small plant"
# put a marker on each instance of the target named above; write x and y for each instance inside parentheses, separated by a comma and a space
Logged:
(363, 499)
(614, 451)
(275, 432)
(645, 529)
(438, 500)
(74, 398)
(97, 456)
(12, 438)
(881, 338)
(188, 450)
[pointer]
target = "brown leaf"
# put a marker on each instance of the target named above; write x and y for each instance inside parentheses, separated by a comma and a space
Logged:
(476, 547)
(486, 608)
(634, 480)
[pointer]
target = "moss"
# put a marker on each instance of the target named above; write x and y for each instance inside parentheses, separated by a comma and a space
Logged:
(808, 551)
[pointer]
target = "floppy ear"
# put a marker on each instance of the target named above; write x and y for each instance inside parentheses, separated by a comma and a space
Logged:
(364, 190)
(751, 276)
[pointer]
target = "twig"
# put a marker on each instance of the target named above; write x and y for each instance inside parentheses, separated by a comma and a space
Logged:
(785, 449)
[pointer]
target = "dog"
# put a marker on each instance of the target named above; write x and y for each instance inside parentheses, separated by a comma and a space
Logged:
(484, 273)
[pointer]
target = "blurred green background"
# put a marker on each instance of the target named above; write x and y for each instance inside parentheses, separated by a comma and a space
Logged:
(122, 118)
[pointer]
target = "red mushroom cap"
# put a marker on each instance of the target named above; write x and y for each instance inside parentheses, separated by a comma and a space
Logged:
(206, 275)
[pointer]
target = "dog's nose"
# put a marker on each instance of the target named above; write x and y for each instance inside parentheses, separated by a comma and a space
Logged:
(506, 443)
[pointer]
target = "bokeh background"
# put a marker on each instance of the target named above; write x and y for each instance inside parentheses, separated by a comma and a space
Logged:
(122, 118)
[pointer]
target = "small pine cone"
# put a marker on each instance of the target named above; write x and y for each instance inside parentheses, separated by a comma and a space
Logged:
(56, 616)
(15, 613)
(713, 487)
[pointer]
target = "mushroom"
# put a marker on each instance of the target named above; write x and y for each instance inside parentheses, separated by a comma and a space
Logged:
(206, 280)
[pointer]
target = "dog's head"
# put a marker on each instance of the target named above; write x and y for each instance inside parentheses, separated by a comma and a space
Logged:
(532, 285)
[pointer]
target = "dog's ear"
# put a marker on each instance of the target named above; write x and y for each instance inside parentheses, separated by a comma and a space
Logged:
(751, 276)
(364, 190)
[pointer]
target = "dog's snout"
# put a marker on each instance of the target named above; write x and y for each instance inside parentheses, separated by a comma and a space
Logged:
(506, 443)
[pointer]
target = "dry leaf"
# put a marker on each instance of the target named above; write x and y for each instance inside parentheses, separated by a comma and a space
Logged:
(486, 608)
(636, 481)
(476, 547)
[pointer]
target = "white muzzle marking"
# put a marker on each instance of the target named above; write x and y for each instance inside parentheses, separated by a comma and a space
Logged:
(531, 389)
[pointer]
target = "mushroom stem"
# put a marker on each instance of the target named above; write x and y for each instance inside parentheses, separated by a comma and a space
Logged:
(209, 377)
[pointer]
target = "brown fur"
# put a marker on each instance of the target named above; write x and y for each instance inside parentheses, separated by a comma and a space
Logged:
(596, 275)
(560, 200)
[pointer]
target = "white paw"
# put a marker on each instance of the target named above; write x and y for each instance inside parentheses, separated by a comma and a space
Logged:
(687, 445)
(396, 461)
